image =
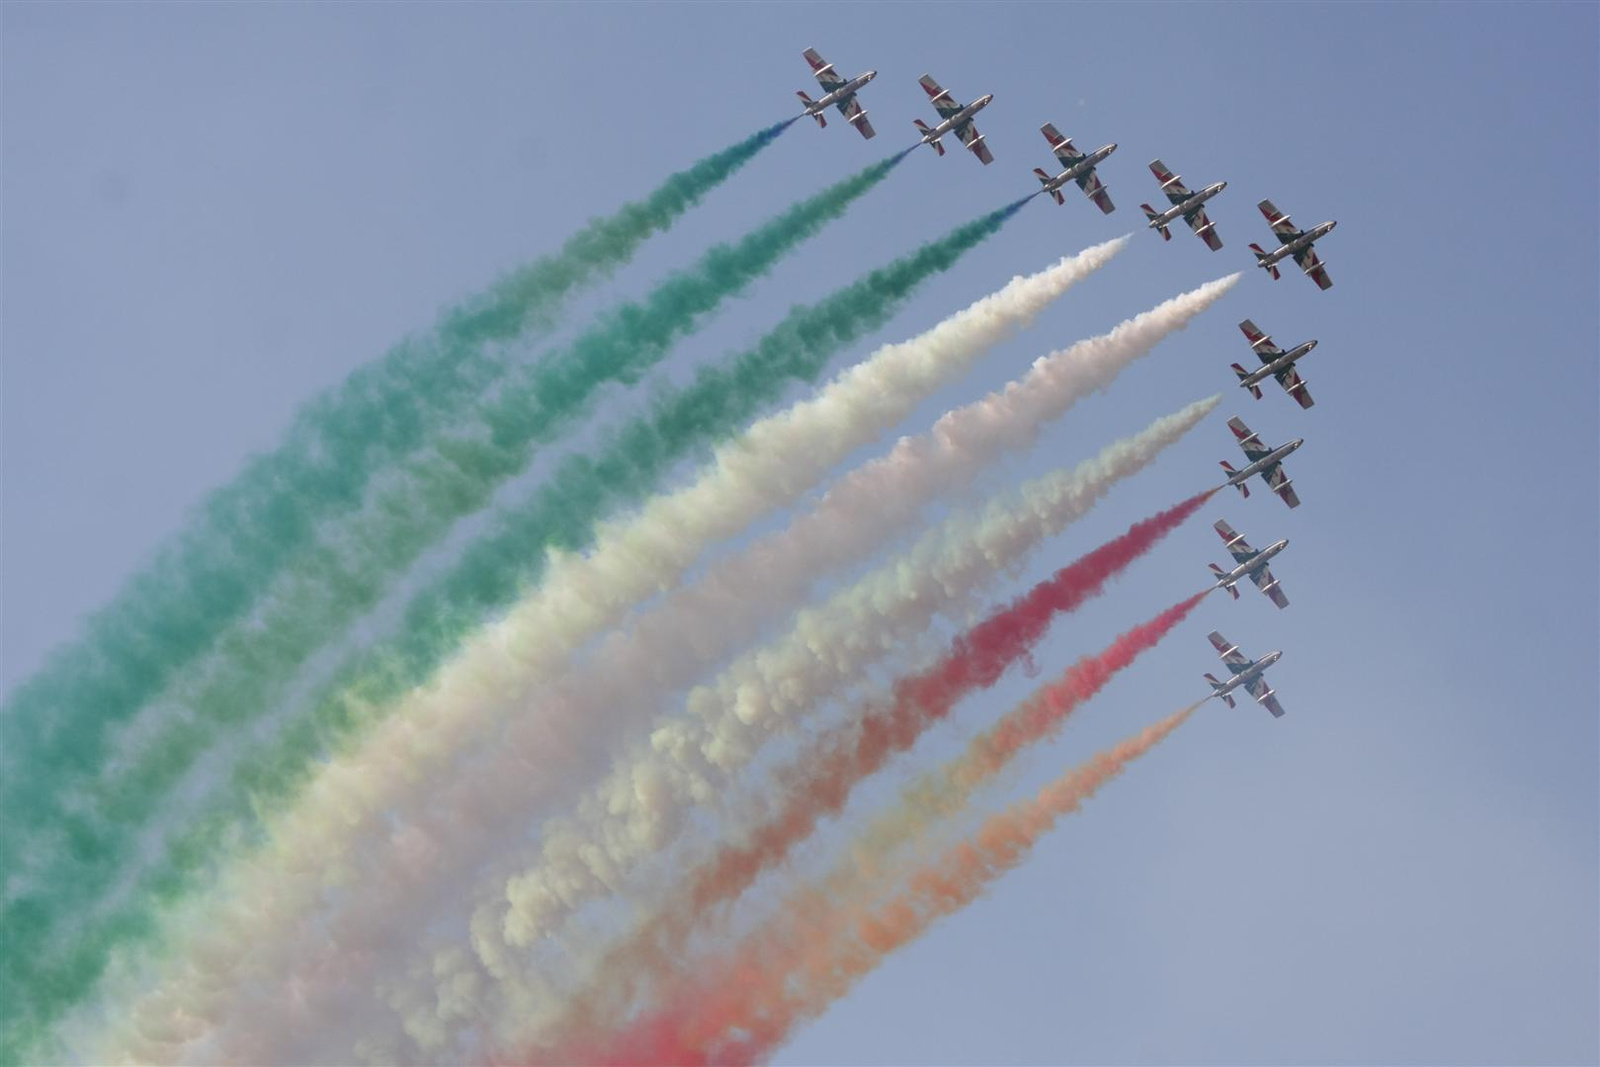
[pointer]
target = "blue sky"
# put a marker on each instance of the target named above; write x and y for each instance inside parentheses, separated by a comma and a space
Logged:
(213, 213)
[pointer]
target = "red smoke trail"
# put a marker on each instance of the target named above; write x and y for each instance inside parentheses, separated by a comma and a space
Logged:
(820, 781)
(744, 1005)
(1048, 707)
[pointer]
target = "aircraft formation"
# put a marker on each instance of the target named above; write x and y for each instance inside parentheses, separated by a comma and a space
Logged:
(1188, 207)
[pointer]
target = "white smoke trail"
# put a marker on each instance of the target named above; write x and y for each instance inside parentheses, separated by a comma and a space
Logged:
(766, 467)
(447, 829)
(690, 762)
(665, 648)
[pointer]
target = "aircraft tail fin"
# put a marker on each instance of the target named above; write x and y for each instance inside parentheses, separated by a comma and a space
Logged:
(1044, 180)
(807, 102)
(1221, 574)
(1216, 687)
(1151, 214)
(1255, 388)
(922, 128)
(1241, 486)
(1261, 261)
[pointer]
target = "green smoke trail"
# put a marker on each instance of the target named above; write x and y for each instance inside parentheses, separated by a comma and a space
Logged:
(461, 477)
(171, 612)
(334, 583)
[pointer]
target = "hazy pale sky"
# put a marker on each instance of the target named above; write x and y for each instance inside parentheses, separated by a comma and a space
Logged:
(212, 213)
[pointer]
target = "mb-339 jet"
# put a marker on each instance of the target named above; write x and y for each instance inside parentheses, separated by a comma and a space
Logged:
(1186, 205)
(955, 119)
(1080, 169)
(1247, 673)
(1276, 364)
(1293, 242)
(1248, 564)
(1264, 461)
(840, 94)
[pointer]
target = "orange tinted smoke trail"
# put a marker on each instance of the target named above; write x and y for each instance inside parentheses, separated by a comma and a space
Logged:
(816, 948)
(820, 781)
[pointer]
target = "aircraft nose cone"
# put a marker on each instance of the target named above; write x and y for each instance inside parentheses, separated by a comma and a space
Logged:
(1221, 186)
(871, 74)
(1310, 345)
(1331, 225)
(1298, 441)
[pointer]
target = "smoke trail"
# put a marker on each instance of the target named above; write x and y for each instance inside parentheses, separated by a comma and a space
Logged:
(703, 622)
(332, 587)
(944, 791)
(571, 502)
(666, 648)
(818, 782)
(743, 1005)
(212, 573)
(690, 762)
(526, 411)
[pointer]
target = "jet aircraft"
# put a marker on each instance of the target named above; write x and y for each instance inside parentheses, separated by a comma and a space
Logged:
(1264, 461)
(955, 119)
(1080, 169)
(1293, 242)
(839, 93)
(1186, 205)
(1248, 564)
(1276, 364)
(1247, 673)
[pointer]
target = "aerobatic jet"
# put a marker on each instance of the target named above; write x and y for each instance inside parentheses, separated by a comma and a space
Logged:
(1080, 169)
(1276, 363)
(1186, 205)
(839, 93)
(1248, 564)
(1293, 242)
(1264, 461)
(955, 119)
(1247, 673)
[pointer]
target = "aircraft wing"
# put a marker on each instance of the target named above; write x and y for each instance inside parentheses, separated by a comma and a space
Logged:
(1259, 341)
(974, 141)
(1253, 448)
(942, 101)
(1203, 227)
(1290, 379)
(1265, 582)
(1281, 484)
(1061, 146)
(857, 116)
(1279, 222)
(1258, 688)
(1095, 190)
(1311, 263)
(1171, 184)
(1235, 660)
(1238, 548)
(827, 77)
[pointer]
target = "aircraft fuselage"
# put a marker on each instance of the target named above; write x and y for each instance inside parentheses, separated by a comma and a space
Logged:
(1082, 167)
(1249, 674)
(1183, 207)
(842, 94)
(1271, 459)
(1253, 564)
(1298, 244)
(958, 120)
(1277, 365)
